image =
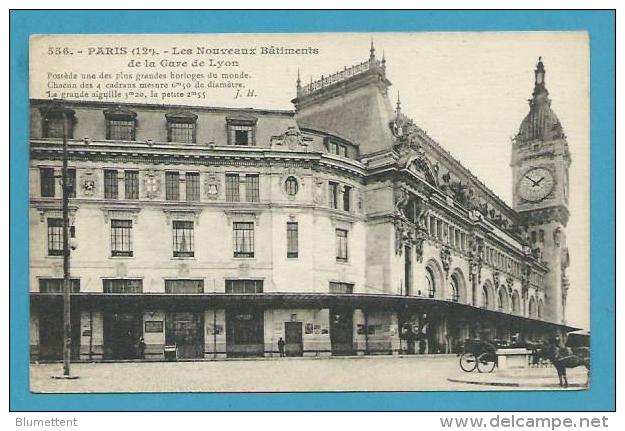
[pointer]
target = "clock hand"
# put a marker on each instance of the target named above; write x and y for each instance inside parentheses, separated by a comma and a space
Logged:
(535, 183)
(538, 182)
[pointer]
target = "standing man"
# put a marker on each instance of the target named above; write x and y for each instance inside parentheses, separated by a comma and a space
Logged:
(281, 347)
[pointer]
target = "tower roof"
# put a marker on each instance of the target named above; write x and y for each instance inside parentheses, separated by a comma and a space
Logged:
(541, 123)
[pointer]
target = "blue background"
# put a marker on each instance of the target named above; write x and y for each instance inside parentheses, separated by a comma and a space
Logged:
(599, 24)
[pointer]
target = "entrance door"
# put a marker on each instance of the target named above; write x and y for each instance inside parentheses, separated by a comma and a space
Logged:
(51, 334)
(245, 333)
(121, 335)
(293, 343)
(342, 331)
(185, 330)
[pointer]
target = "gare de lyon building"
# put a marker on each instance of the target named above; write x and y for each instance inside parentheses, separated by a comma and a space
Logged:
(340, 227)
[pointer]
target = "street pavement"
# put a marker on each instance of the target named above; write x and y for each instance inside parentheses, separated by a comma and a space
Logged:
(371, 373)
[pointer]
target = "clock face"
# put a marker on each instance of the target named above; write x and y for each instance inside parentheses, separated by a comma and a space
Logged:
(536, 184)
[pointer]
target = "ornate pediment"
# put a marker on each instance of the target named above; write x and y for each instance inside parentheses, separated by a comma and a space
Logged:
(119, 113)
(291, 139)
(407, 145)
(181, 116)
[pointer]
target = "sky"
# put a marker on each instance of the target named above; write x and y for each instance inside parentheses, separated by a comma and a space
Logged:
(469, 91)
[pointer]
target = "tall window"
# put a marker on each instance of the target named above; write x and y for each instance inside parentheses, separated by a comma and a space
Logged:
(243, 239)
(55, 237)
(123, 285)
(291, 186)
(341, 245)
(346, 198)
(291, 239)
(232, 187)
(184, 286)
(455, 288)
(252, 192)
(121, 238)
(337, 287)
(516, 303)
(192, 180)
(110, 184)
(55, 285)
(244, 286)
(181, 127)
(485, 297)
(71, 182)
(131, 184)
(172, 186)
(432, 226)
(334, 195)
(46, 178)
(183, 238)
(120, 124)
(501, 300)
(430, 282)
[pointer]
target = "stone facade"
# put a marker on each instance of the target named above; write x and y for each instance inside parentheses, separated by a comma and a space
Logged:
(341, 227)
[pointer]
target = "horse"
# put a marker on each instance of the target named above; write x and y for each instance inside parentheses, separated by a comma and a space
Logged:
(564, 357)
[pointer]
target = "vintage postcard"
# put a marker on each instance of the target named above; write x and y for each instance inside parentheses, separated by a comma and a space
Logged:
(309, 212)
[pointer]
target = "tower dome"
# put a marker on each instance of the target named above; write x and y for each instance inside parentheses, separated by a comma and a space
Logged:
(541, 123)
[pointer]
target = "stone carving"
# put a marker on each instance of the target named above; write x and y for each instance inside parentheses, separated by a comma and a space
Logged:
(151, 184)
(476, 251)
(408, 235)
(509, 284)
(88, 183)
(212, 186)
(496, 278)
(460, 192)
(292, 139)
(446, 259)
(402, 198)
(557, 236)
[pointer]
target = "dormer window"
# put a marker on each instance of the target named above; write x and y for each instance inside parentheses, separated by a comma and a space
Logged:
(53, 118)
(241, 130)
(336, 148)
(120, 124)
(181, 127)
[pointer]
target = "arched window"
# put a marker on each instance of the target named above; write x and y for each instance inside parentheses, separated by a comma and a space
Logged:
(501, 300)
(516, 303)
(429, 282)
(540, 308)
(485, 296)
(532, 308)
(291, 186)
(454, 288)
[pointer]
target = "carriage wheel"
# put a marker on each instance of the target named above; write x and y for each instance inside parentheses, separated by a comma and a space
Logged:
(468, 362)
(486, 362)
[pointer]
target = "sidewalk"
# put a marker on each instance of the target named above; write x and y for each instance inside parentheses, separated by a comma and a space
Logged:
(254, 358)
(544, 377)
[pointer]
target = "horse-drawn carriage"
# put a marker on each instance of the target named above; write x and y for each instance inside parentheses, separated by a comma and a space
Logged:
(478, 355)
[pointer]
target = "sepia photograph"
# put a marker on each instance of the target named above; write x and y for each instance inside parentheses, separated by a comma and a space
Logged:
(312, 212)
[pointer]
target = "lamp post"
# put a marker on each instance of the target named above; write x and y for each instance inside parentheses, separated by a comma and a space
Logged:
(67, 323)
(65, 186)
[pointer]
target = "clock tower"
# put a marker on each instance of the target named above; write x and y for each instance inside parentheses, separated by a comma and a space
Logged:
(540, 171)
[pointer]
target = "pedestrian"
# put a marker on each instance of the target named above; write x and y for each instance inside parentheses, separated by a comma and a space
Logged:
(141, 348)
(281, 347)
